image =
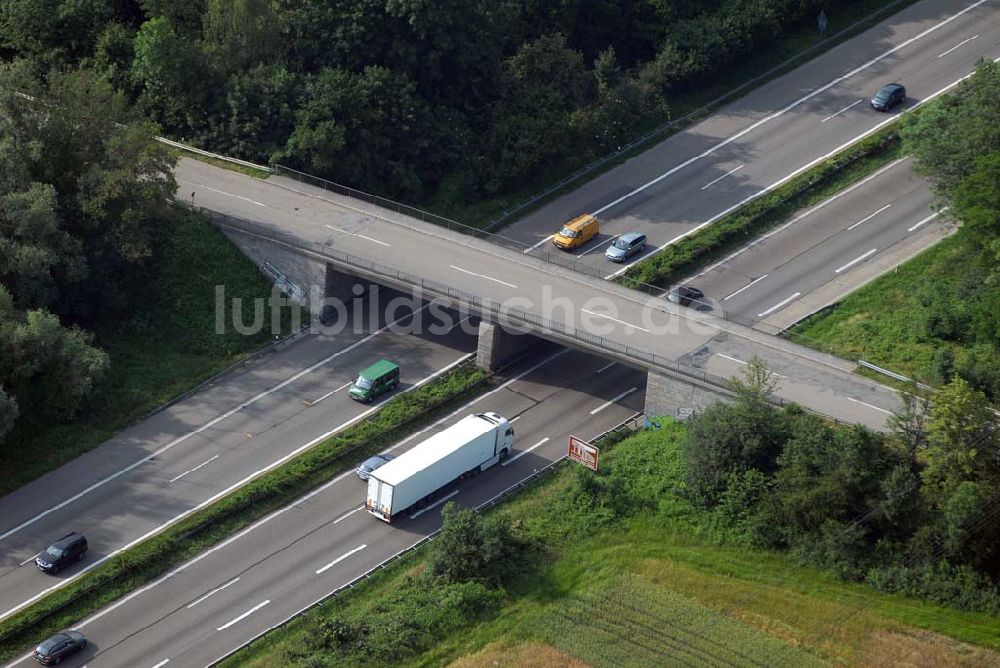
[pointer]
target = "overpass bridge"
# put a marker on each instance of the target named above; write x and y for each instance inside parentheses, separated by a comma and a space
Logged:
(327, 248)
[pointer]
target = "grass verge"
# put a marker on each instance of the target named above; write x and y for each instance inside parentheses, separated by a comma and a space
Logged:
(661, 586)
(221, 164)
(166, 347)
(766, 212)
(788, 52)
(139, 565)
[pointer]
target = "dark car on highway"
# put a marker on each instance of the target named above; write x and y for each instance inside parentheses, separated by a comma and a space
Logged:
(60, 554)
(888, 96)
(56, 648)
(685, 295)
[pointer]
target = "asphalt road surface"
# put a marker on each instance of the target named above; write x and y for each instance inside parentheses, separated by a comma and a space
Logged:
(180, 458)
(268, 572)
(774, 132)
(832, 240)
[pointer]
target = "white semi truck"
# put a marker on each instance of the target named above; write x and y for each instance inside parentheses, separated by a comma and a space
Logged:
(468, 447)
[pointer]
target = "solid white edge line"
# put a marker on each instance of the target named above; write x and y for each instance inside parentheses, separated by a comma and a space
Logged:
(779, 305)
(714, 181)
(960, 44)
(222, 493)
(754, 281)
(243, 616)
(211, 593)
(923, 222)
(869, 217)
(339, 559)
(863, 403)
(208, 425)
(613, 401)
(522, 453)
(434, 505)
(205, 463)
(853, 262)
(622, 322)
(852, 104)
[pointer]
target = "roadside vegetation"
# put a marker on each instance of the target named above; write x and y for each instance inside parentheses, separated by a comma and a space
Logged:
(938, 315)
(139, 565)
(464, 107)
(746, 536)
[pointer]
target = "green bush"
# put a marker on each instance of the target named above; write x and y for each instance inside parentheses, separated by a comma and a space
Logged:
(957, 586)
(473, 547)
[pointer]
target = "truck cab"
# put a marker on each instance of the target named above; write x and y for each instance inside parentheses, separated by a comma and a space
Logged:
(505, 436)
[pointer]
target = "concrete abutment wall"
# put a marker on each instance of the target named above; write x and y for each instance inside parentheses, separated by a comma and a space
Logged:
(678, 398)
(497, 345)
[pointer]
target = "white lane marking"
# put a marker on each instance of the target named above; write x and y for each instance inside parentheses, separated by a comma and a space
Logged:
(869, 217)
(515, 419)
(792, 105)
(627, 324)
(205, 463)
(596, 246)
(488, 278)
(433, 505)
(714, 181)
(243, 616)
(316, 401)
(613, 401)
(223, 192)
(29, 559)
(207, 502)
(348, 514)
(782, 228)
(918, 225)
(852, 104)
(465, 408)
(355, 234)
(212, 593)
(339, 559)
(373, 240)
(733, 359)
(605, 367)
(208, 425)
(779, 305)
(525, 451)
(546, 239)
(162, 663)
(756, 280)
(853, 262)
(962, 43)
(858, 401)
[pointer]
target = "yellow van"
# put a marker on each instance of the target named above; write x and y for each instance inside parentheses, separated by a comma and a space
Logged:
(577, 232)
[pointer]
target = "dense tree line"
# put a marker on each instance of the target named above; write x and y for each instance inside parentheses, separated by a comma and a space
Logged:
(412, 98)
(955, 142)
(82, 186)
(915, 512)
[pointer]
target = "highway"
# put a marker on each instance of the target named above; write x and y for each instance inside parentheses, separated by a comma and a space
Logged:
(274, 568)
(861, 231)
(775, 132)
(181, 458)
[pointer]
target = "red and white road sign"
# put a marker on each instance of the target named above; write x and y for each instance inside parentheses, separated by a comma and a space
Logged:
(583, 452)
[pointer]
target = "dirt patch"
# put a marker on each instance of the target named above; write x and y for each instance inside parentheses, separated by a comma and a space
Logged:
(922, 649)
(524, 655)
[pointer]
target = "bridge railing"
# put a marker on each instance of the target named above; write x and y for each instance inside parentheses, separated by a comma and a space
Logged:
(495, 312)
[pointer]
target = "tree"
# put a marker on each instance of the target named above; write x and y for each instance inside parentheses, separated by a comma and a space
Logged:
(9, 411)
(473, 547)
(909, 425)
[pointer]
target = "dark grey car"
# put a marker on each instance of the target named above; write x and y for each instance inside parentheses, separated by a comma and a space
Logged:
(686, 295)
(60, 554)
(55, 648)
(888, 96)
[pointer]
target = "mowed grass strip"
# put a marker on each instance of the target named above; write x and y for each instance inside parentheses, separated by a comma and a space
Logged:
(401, 416)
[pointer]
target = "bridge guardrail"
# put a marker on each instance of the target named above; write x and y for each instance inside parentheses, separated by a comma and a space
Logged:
(630, 424)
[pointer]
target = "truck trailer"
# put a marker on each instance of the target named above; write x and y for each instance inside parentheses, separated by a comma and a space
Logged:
(473, 444)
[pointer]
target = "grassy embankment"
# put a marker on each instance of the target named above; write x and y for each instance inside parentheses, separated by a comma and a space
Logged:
(166, 347)
(660, 585)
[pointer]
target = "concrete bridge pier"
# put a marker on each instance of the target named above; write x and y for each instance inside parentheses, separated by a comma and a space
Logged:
(498, 345)
(667, 396)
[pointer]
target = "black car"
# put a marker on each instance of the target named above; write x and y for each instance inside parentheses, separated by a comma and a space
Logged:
(56, 648)
(685, 295)
(888, 96)
(60, 554)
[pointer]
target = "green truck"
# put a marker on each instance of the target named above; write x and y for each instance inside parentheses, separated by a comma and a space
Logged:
(377, 379)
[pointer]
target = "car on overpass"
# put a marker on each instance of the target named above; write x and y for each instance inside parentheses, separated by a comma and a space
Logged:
(626, 246)
(577, 232)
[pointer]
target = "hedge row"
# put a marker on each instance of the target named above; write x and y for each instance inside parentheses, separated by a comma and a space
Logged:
(155, 556)
(768, 211)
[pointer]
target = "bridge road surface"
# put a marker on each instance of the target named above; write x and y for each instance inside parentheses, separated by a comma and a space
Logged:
(178, 458)
(295, 213)
(775, 131)
(324, 541)
(886, 216)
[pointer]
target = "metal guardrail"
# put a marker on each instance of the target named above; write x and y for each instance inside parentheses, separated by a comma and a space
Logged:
(631, 424)
(214, 156)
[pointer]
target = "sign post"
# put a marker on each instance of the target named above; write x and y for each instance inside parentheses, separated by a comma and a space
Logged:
(583, 452)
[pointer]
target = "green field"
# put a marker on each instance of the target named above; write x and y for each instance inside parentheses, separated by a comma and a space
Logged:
(167, 346)
(661, 586)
